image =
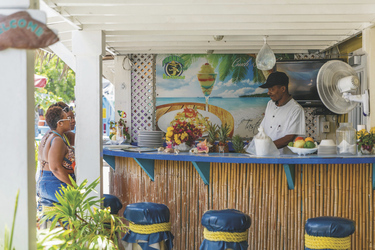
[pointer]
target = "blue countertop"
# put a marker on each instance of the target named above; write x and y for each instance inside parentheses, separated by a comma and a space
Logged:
(245, 158)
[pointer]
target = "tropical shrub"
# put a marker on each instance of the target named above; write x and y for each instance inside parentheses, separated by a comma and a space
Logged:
(79, 223)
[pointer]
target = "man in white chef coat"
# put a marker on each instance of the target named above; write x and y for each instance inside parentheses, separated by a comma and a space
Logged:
(284, 118)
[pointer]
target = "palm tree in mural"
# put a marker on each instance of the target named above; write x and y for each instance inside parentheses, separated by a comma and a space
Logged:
(226, 63)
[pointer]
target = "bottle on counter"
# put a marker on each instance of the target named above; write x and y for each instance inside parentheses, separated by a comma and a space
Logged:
(346, 140)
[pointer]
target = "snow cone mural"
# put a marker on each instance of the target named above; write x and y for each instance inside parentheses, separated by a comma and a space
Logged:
(210, 88)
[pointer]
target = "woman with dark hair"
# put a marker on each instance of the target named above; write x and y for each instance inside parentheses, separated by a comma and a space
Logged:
(57, 160)
(69, 136)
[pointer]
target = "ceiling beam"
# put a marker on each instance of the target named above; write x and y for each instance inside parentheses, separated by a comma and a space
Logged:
(200, 38)
(223, 9)
(128, 18)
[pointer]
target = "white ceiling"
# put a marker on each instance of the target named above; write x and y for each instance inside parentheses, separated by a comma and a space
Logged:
(188, 26)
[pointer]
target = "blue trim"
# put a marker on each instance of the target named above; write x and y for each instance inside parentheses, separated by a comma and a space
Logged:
(201, 162)
(110, 160)
(245, 158)
(289, 172)
(147, 165)
(203, 169)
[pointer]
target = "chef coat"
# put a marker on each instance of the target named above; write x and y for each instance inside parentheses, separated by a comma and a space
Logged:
(285, 120)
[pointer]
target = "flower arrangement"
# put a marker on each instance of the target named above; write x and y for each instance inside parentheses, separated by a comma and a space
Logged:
(182, 132)
(366, 140)
(114, 126)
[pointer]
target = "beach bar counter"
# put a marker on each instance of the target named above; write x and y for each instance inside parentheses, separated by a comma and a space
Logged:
(278, 193)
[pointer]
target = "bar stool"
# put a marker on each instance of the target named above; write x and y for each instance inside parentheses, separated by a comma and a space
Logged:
(149, 227)
(113, 202)
(225, 229)
(328, 233)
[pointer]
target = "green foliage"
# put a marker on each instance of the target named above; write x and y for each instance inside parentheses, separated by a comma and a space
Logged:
(365, 139)
(223, 133)
(82, 224)
(8, 238)
(61, 79)
(238, 144)
(212, 132)
(45, 98)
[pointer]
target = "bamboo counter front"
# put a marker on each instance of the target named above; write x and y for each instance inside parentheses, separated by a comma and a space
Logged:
(279, 193)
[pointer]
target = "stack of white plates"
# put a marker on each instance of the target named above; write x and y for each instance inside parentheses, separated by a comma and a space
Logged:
(327, 147)
(150, 139)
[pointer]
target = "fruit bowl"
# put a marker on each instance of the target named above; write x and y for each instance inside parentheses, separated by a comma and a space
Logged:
(303, 151)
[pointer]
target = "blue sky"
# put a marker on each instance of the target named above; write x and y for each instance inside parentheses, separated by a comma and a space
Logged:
(189, 87)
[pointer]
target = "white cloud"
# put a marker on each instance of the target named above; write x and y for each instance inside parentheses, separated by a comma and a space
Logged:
(260, 91)
(228, 83)
(244, 91)
(248, 82)
(227, 93)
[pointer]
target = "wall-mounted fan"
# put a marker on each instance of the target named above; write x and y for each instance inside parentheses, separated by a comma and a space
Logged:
(338, 88)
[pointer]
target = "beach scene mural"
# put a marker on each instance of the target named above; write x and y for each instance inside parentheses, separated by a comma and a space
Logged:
(220, 88)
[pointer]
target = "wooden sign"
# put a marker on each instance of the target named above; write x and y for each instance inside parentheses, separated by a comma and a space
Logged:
(21, 31)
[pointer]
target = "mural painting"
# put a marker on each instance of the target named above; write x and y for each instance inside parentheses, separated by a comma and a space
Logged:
(211, 88)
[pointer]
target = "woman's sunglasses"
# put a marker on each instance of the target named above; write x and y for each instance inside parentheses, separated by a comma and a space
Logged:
(61, 120)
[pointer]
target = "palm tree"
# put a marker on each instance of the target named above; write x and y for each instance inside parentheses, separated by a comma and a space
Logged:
(226, 65)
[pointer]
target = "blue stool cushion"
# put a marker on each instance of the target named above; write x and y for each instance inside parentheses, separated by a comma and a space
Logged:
(228, 220)
(330, 227)
(113, 202)
(146, 213)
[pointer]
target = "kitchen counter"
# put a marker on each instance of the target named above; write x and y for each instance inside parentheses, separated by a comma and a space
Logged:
(246, 158)
(201, 161)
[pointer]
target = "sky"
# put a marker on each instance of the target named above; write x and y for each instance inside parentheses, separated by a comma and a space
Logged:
(189, 87)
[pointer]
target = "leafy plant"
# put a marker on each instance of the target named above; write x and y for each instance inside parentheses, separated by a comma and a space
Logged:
(8, 238)
(366, 140)
(83, 225)
(125, 129)
(223, 134)
(238, 144)
(61, 79)
(212, 132)
(45, 98)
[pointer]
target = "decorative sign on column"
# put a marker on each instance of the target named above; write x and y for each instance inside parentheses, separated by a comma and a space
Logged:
(21, 31)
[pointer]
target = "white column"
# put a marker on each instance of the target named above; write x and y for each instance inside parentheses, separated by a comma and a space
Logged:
(17, 161)
(123, 88)
(88, 47)
(368, 45)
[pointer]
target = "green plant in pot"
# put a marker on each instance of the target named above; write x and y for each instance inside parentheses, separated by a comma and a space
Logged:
(81, 224)
(212, 135)
(223, 134)
(238, 144)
